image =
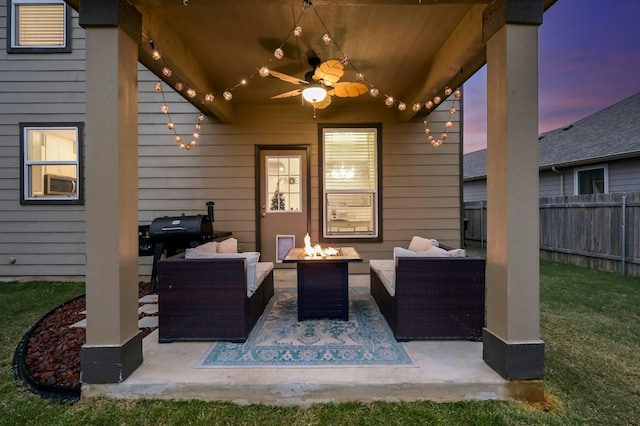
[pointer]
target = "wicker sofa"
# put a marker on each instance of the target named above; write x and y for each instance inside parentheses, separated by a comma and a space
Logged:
(431, 298)
(210, 298)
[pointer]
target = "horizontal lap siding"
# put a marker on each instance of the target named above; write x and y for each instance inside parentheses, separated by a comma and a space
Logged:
(421, 184)
(49, 88)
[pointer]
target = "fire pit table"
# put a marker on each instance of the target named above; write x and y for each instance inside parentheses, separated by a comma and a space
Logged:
(323, 282)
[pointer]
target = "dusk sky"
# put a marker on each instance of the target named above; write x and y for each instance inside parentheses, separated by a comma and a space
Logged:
(589, 59)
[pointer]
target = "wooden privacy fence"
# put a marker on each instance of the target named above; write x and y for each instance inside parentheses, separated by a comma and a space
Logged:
(597, 231)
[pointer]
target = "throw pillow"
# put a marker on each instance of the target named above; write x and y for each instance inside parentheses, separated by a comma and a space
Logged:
(230, 245)
(252, 261)
(210, 247)
(422, 244)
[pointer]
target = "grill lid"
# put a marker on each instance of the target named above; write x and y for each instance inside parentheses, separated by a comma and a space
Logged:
(181, 229)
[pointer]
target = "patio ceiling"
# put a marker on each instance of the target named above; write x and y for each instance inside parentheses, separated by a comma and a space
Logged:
(410, 50)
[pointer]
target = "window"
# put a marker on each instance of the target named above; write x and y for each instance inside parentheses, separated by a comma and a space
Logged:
(592, 180)
(350, 185)
(51, 158)
(37, 26)
(283, 184)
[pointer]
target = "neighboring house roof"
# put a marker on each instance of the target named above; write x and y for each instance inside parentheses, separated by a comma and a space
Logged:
(609, 134)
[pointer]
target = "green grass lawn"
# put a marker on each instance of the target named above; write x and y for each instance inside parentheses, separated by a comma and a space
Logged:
(590, 323)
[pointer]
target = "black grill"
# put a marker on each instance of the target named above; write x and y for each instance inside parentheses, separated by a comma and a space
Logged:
(181, 231)
(170, 234)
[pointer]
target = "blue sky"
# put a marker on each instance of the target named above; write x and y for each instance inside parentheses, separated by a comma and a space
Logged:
(589, 59)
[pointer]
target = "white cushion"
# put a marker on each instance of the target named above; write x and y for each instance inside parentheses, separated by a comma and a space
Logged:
(422, 244)
(251, 256)
(230, 245)
(385, 269)
(262, 270)
(432, 252)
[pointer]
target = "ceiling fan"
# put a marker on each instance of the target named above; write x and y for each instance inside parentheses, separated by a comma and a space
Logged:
(326, 76)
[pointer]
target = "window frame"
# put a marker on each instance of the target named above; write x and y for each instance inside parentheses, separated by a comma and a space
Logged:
(25, 181)
(13, 47)
(378, 198)
(576, 177)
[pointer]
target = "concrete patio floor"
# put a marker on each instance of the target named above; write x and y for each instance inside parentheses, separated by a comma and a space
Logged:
(442, 371)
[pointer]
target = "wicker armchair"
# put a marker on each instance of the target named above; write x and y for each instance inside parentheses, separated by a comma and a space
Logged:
(435, 298)
(207, 299)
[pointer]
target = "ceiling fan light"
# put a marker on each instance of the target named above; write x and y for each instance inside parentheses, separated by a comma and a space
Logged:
(314, 93)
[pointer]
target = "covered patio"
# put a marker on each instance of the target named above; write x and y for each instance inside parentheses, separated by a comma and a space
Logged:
(441, 371)
(419, 50)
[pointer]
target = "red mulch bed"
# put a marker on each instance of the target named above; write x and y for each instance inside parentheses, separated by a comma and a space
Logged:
(50, 352)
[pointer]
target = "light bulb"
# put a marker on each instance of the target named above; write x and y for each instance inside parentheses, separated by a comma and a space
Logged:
(428, 105)
(209, 97)
(448, 124)
(264, 72)
(178, 138)
(416, 107)
(201, 118)
(444, 136)
(166, 71)
(156, 55)
(359, 76)
(179, 86)
(437, 100)
(278, 53)
(389, 101)
(427, 131)
(227, 95)
(344, 60)
(402, 106)
(447, 91)
(196, 135)
(198, 126)
(297, 31)
(374, 92)
(158, 87)
(452, 110)
(164, 109)
(457, 94)
(326, 38)
(170, 125)
(182, 146)
(191, 93)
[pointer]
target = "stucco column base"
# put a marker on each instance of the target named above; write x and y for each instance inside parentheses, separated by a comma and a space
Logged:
(513, 361)
(110, 364)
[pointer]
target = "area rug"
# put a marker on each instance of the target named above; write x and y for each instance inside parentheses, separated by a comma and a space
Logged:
(280, 340)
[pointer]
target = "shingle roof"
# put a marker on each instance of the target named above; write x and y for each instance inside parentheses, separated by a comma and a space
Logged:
(611, 133)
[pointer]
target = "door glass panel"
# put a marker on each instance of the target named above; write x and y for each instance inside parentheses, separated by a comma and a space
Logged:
(283, 184)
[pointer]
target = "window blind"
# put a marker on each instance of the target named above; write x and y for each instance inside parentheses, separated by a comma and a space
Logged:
(40, 25)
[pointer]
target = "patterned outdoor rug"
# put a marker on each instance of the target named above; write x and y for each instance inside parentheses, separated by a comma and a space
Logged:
(278, 339)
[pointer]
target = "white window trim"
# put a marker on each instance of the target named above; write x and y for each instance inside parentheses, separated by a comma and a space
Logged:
(12, 30)
(576, 180)
(376, 233)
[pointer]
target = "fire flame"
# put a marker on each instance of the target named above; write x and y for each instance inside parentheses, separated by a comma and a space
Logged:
(317, 250)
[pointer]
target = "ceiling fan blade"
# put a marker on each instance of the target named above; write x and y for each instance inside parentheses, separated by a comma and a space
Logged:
(288, 94)
(329, 72)
(347, 89)
(287, 78)
(322, 104)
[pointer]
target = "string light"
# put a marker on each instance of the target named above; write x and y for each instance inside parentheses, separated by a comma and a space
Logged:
(278, 54)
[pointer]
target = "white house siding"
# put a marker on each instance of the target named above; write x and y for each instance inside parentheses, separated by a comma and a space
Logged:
(421, 184)
(475, 190)
(551, 183)
(48, 88)
(624, 175)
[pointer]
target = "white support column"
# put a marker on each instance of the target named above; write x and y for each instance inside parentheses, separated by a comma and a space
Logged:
(113, 348)
(512, 344)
